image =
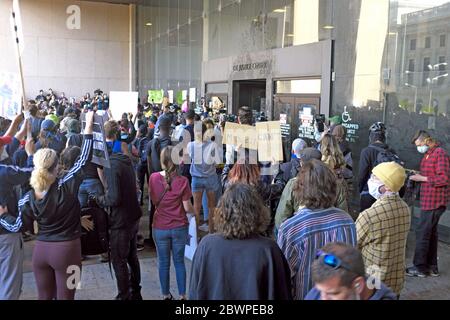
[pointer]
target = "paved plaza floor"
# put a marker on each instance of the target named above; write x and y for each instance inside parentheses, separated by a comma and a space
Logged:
(98, 284)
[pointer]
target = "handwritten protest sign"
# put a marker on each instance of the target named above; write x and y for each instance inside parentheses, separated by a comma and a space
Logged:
(242, 136)
(155, 96)
(100, 154)
(270, 146)
(264, 137)
(10, 95)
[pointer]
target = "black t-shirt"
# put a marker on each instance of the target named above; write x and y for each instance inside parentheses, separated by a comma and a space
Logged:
(90, 171)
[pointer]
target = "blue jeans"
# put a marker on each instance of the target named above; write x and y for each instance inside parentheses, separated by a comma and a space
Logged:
(173, 240)
(89, 186)
(218, 192)
(200, 184)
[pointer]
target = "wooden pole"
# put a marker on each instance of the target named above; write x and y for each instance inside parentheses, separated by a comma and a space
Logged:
(19, 57)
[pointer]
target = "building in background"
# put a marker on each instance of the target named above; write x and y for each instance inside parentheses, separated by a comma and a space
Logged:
(363, 60)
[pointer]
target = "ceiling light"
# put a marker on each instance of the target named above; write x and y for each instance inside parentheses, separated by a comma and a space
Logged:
(290, 35)
(328, 27)
(149, 24)
(279, 10)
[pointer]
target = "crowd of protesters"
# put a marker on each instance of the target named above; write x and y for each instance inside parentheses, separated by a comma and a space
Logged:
(267, 230)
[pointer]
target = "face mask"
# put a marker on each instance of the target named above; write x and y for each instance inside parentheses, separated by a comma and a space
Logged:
(374, 188)
(423, 149)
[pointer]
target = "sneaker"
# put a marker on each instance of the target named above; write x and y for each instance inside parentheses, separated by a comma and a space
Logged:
(104, 258)
(204, 227)
(414, 272)
(140, 247)
(434, 273)
(170, 297)
(136, 296)
(149, 242)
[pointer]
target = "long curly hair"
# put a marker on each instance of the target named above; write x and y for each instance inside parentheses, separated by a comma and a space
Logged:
(315, 187)
(241, 213)
(331, 152)
(45, 162)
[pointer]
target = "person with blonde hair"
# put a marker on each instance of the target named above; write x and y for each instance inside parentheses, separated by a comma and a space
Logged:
(53, 203)
(334, 159)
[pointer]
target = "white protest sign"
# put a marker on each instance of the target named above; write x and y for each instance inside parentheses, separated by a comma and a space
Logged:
(10, 95)
(192, 94)
(190, 249)
(121, 102)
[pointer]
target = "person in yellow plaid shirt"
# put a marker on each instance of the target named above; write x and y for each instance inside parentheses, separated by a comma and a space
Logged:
(383, 228)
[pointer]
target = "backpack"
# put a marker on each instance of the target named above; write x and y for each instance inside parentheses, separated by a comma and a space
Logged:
(142, 149)
(96, 241)
(386, 155)
(155, 148)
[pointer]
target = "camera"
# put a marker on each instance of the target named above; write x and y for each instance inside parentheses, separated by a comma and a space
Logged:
(320, 121)
(231, 118)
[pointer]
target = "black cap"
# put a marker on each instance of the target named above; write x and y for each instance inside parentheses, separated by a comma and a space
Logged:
(165, 122)
(308, 154)
(143, 129)
(190, 115)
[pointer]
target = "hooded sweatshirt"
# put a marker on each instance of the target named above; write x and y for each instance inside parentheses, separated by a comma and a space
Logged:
(121, 194)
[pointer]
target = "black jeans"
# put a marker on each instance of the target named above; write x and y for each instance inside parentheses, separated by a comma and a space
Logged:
(366, 202)
(123, 255)
(425, 257)
(142, 176)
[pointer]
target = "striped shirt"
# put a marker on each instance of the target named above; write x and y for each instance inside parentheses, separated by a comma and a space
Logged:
(308, 231)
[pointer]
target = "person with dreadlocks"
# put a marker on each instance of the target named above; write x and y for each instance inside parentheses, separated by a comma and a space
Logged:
(171, 195)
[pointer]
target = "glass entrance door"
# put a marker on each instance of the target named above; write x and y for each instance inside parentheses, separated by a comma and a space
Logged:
(296, 115)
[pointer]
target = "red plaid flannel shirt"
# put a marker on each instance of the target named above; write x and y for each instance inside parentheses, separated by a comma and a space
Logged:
(435, 166)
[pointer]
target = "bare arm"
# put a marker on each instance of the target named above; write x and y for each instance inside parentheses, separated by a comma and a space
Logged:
(188, 206)
(12, 130)
(23, 131)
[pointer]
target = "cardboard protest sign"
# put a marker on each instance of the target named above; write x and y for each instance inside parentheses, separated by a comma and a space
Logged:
(100, 154)
(270, 146)
(121, 102)
(242, 136)
(10, 95)
(190, 249)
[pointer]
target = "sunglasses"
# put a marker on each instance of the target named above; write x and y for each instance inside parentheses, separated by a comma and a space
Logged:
(332, 261)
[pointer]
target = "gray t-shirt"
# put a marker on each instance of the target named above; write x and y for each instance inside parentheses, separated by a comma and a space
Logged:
(203, 160)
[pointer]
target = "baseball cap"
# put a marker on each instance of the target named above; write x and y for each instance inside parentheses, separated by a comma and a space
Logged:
(308, 154)
(48, 125)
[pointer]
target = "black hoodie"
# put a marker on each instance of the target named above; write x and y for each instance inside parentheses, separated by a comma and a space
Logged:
(121, 194)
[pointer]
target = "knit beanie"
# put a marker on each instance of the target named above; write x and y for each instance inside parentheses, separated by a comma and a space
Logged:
(391, 174)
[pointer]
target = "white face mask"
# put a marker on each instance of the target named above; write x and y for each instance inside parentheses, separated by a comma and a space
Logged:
(374, 188)
(423, 149)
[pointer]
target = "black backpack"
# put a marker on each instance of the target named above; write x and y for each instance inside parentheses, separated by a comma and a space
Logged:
(96, 241)
(155, 156)
(386, 155)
